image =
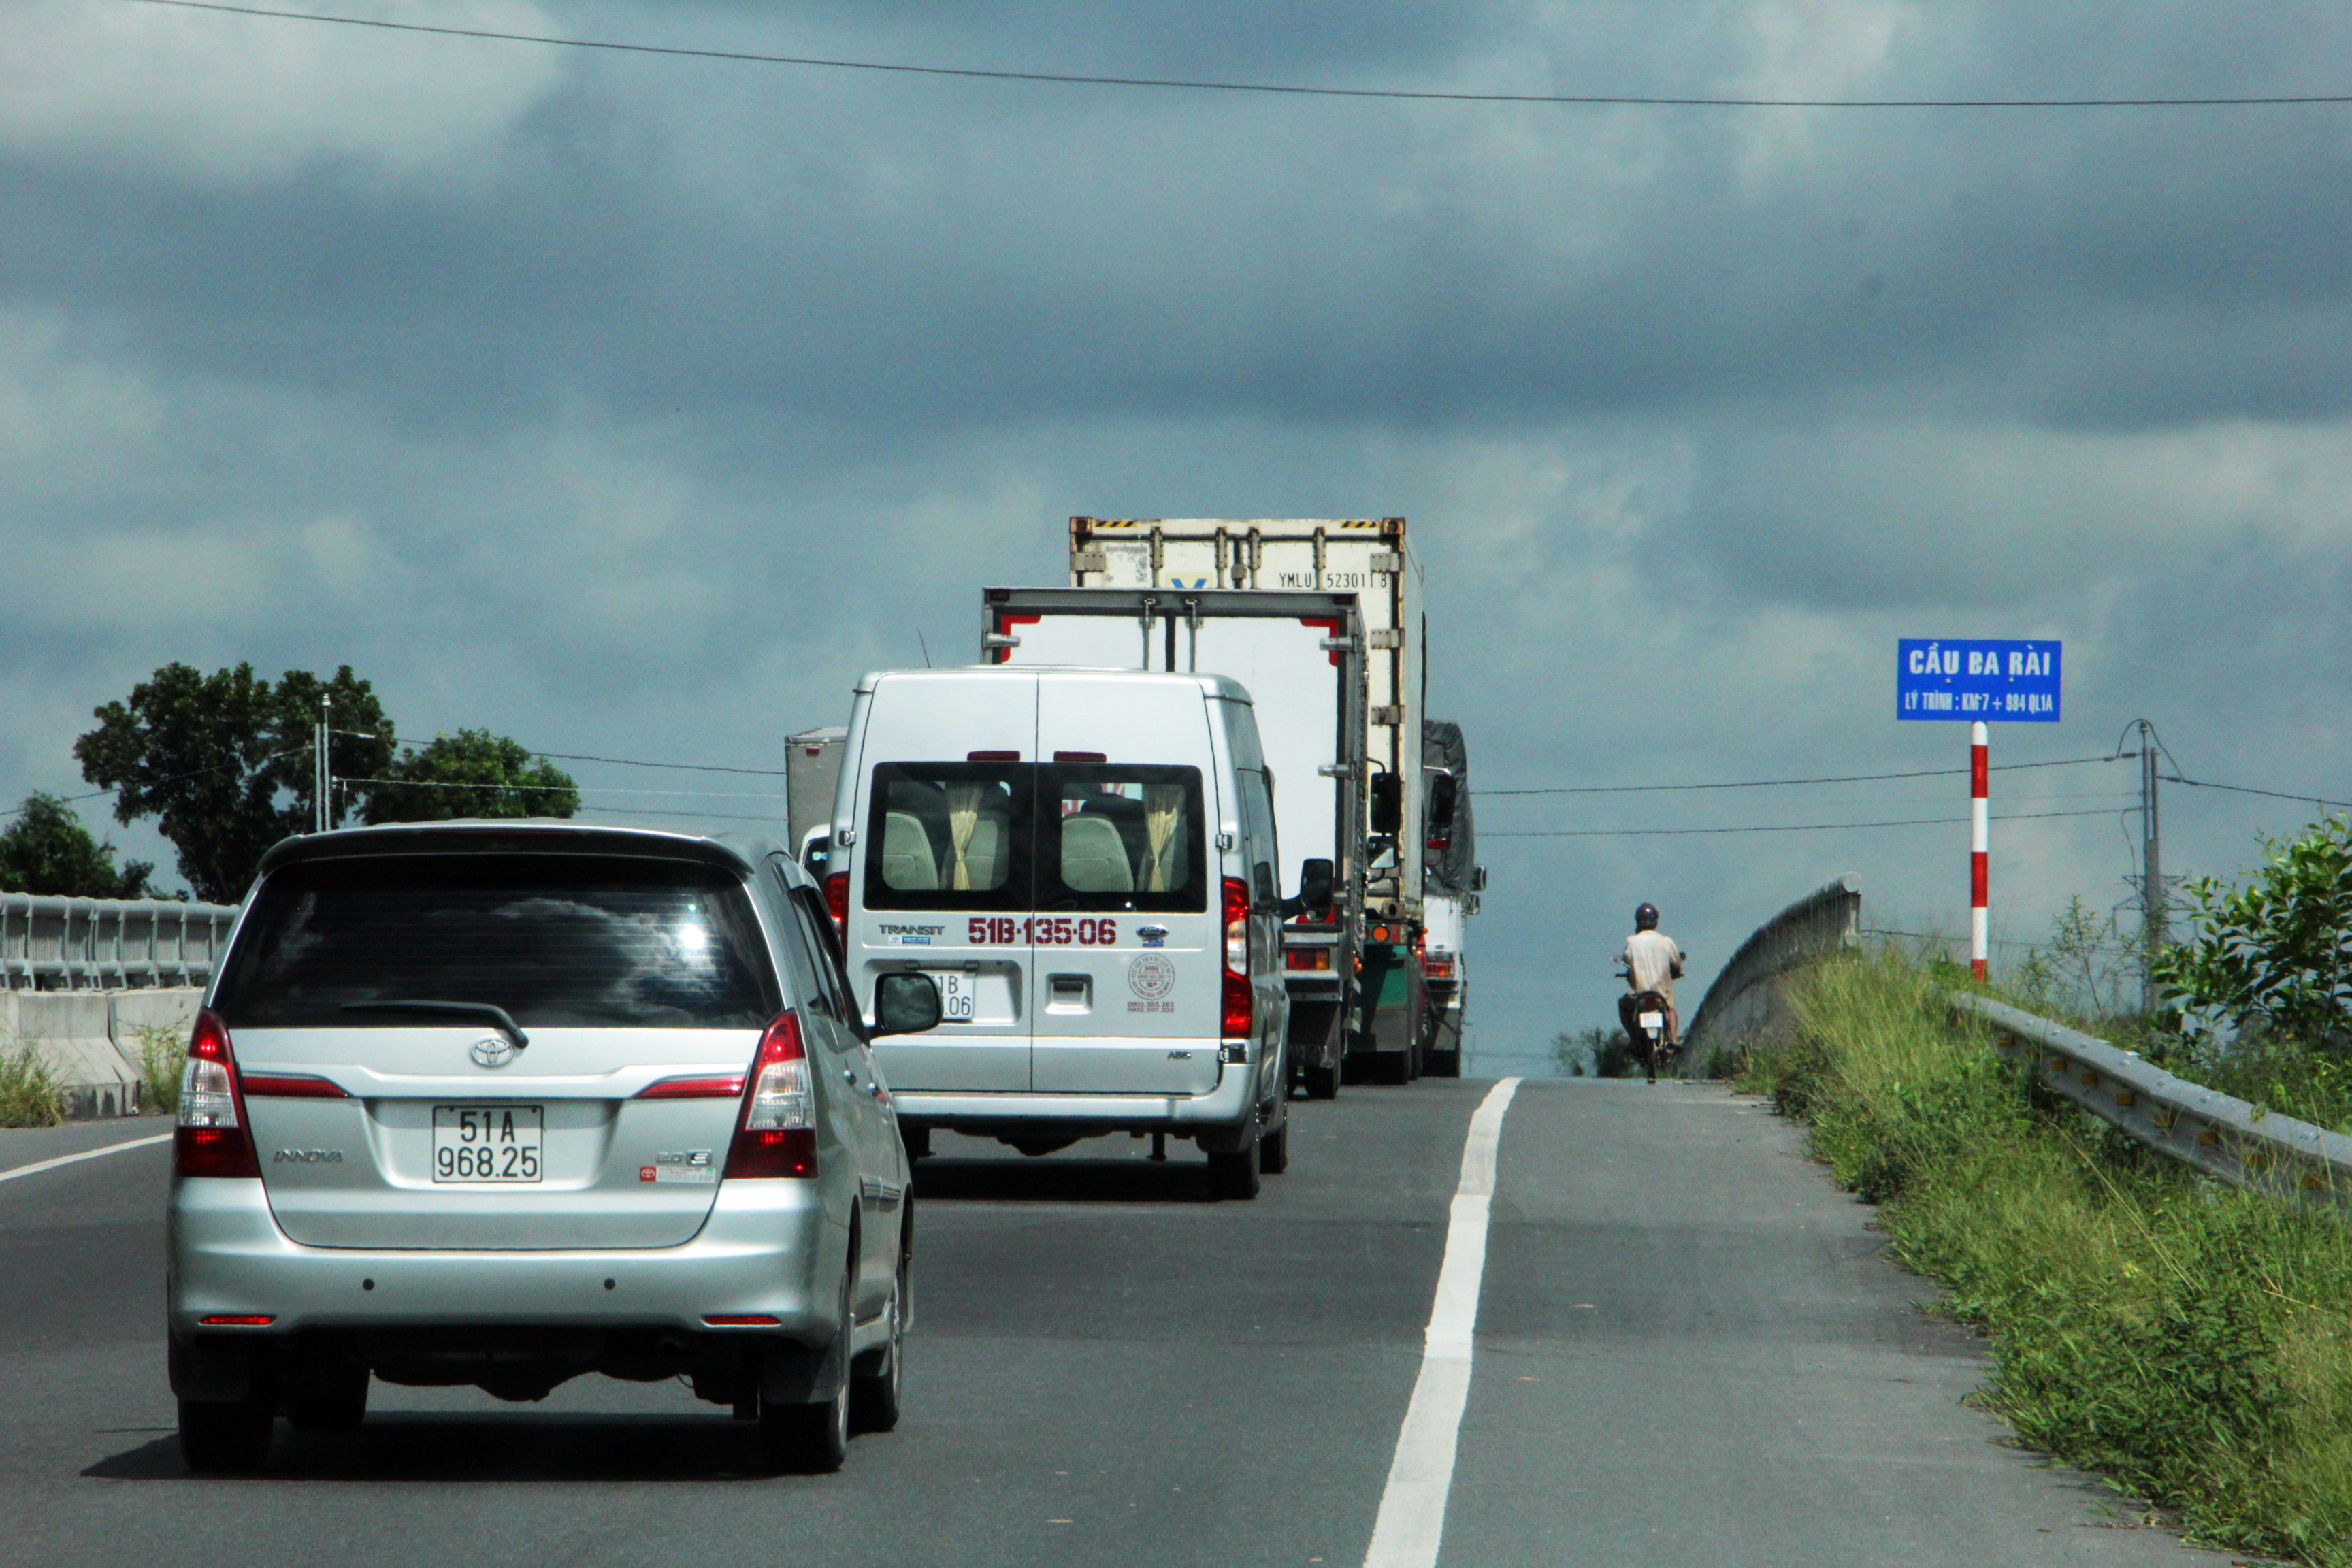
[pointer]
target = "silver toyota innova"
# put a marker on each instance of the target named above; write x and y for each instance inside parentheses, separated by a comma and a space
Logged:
(503, 1103)
(1082, 862)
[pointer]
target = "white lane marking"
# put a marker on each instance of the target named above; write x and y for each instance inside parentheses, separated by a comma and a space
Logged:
(37, 1167)
(1412, 1508)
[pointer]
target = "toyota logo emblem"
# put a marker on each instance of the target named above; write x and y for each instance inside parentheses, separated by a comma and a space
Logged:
(493, 1052)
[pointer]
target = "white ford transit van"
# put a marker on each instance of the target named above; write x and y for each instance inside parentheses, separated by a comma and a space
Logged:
(1083, 861)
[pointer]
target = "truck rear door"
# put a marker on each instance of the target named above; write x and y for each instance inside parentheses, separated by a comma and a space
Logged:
(1127, 935)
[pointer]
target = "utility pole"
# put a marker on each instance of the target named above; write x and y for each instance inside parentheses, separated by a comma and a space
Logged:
(2152, 900)
(323, 767)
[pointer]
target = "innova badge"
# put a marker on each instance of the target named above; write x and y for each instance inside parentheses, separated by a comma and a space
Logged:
(495, 1051)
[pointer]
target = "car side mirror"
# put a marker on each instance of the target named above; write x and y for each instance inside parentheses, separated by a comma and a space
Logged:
(1314, 889)
(1387, 804)
(906, 1004)
(1478, 880)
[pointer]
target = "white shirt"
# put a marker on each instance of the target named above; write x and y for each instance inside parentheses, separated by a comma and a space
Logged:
(1651, 960)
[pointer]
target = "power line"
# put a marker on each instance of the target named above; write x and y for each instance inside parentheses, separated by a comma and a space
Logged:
(586, 789)
(1187, 85)
(1781, 828)
(633, 762)
(1775, 784)
(2245, 789)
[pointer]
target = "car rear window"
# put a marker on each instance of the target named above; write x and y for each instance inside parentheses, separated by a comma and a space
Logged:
(604, 940)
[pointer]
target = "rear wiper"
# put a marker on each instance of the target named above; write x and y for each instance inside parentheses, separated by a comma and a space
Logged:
(487, 1011)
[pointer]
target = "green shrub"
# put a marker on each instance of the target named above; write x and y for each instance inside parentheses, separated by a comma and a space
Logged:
(30, 1095)
(162, 1055)
(2187, 1338)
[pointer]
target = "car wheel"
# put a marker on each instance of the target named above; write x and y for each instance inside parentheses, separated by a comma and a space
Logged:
(813, 1440)
(217, 1436)
(338, 1409)
(873, 1389)
(1235, 1176)
(1274, 1150)
(1393, 1067)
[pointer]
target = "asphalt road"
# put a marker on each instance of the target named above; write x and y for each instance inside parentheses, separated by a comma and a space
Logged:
(1689, 1353)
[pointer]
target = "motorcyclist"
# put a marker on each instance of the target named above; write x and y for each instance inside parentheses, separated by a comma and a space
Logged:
(1652, 963)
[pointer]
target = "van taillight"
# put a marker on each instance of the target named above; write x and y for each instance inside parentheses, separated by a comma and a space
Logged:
(1240, 1008)
(212, 1138)
(775, 1135)
(836, 903)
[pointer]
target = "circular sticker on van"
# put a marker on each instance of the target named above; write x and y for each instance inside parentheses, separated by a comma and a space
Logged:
(1151, 976)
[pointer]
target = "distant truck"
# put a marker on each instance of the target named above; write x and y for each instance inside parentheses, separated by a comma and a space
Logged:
(1321, 620)
(812, 773)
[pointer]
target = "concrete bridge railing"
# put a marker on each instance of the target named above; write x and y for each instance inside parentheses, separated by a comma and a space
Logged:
(1744, 1001)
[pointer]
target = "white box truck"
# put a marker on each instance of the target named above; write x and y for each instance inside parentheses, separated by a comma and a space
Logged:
(1200, 593)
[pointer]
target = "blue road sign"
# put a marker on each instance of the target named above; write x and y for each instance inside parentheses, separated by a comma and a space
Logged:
(1991, 680)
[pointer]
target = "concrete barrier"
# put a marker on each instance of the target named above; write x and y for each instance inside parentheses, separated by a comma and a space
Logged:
(90, 1040)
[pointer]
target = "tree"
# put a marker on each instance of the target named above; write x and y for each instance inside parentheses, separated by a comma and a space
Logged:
(48, 850)
(223, 760)
(471, 774)
(2276, 954)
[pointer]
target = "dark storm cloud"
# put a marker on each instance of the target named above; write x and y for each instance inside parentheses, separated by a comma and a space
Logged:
(634, 406)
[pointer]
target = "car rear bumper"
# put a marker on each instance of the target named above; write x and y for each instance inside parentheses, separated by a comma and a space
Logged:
(764, 1251)
(1228, 1105)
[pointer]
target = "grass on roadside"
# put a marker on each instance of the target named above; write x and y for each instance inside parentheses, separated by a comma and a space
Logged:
(30, 1095)
(162, 1055)
(2188, 1340)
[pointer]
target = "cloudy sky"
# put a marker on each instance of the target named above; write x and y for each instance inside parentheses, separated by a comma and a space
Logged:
(633, 405)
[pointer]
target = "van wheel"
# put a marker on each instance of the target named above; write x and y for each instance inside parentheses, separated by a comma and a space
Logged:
(219, 1436)
(1234, 1175)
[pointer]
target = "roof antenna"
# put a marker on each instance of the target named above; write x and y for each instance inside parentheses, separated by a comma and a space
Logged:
(927, 646)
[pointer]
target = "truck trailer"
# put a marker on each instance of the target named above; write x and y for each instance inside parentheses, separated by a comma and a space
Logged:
(1201, 594)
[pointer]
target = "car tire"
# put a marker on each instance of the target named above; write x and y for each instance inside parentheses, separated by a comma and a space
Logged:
(1235, 1176)
(1274, 1150)
(1393, 1067)
(874, 1392)
(813, 1440)
(339, 1409)
(218, 1437)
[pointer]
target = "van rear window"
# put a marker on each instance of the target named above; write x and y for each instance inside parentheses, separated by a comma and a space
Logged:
(602, 940)
(1015, 836)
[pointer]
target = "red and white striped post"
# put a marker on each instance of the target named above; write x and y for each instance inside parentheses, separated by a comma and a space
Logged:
(1979, 846)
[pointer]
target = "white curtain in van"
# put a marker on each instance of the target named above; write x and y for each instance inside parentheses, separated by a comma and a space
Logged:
(1164, 813)
(964, 815)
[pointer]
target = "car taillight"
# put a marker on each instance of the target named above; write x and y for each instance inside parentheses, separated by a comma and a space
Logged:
(1240, 1008)
(775, 1135)
(1307, 958)
(212, 1138)
(1438, 966)
(837, 902)
(716, 1086)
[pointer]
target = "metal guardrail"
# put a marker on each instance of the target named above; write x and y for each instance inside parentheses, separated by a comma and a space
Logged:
(2261, 1151)
(1824, 922)
(108, 944)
